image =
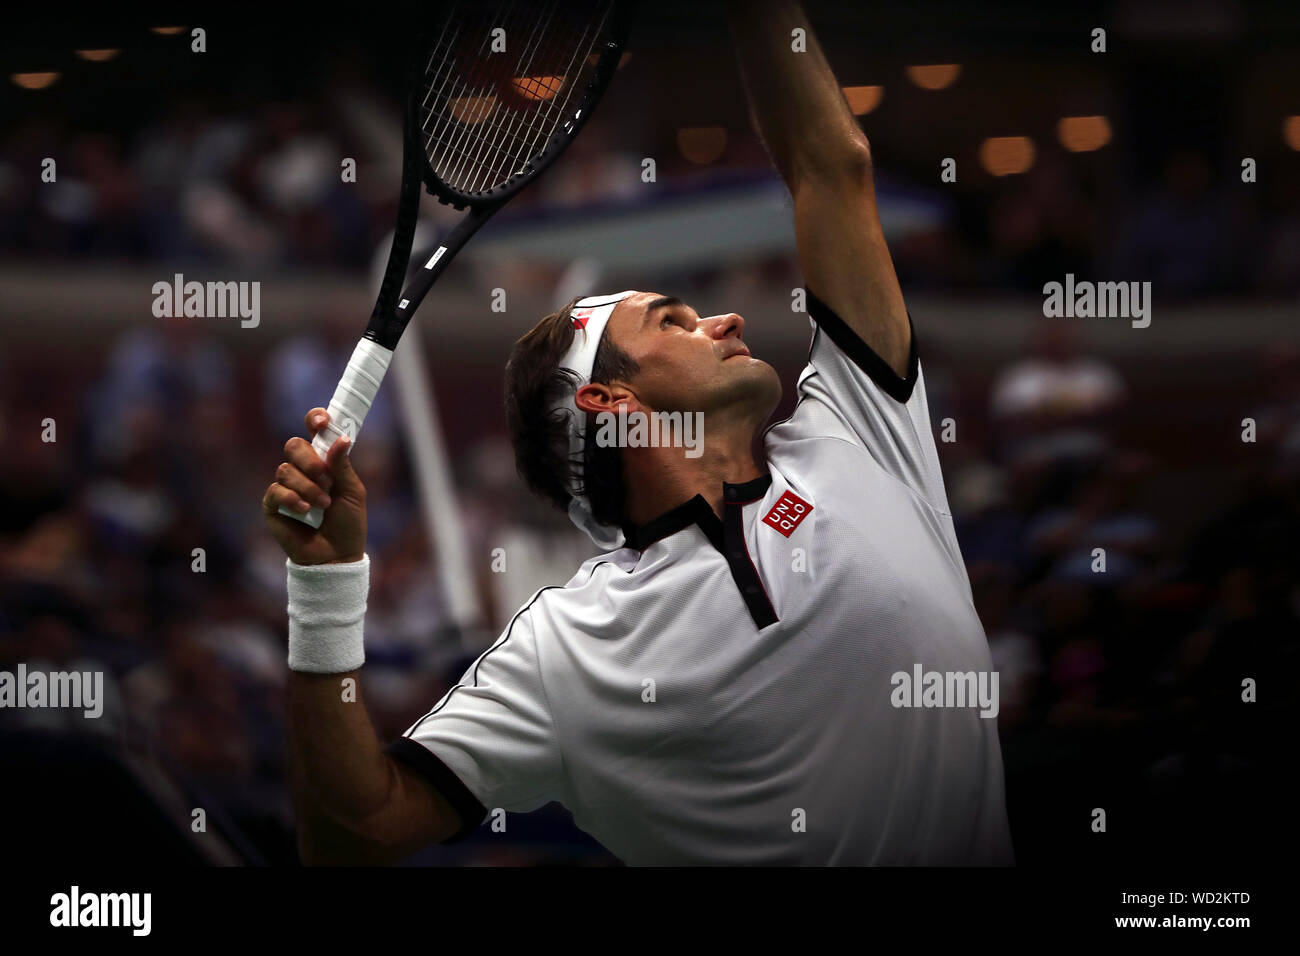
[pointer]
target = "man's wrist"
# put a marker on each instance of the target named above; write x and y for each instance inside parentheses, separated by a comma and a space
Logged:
(327, 609)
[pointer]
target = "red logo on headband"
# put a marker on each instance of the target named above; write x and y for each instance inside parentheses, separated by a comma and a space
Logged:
(580, 317)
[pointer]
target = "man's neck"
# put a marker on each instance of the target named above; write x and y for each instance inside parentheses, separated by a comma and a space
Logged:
(661, 478)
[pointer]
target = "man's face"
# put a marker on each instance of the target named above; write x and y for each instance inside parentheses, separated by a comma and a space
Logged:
(689, 363)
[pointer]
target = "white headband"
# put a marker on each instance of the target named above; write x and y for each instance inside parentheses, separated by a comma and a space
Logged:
(590, 316)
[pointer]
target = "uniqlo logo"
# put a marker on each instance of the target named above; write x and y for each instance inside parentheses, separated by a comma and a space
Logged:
(787, 513)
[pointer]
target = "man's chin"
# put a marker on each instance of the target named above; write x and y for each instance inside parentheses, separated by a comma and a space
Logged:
(760, 369)
(748, 361)
(759, 383)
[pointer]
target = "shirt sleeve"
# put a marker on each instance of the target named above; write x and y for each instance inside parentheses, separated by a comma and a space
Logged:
(490, 741)
(848, 391)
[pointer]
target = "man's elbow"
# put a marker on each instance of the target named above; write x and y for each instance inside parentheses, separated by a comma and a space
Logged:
(350, 845)
(848, 163)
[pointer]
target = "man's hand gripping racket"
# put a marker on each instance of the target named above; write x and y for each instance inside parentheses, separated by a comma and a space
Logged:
(306, 480)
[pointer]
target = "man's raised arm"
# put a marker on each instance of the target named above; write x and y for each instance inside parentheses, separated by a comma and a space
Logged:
(825, 159)
(352, 802)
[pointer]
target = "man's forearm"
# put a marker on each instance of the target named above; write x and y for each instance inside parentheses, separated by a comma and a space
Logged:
(795, 101)
(339, 776)
(352, 802)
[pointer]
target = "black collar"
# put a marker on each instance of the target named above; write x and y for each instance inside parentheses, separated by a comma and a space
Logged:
(696, 511)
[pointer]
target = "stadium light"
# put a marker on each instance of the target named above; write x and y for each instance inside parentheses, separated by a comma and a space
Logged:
(934, 76)
(473, 109)
(1007, 155)
(1083, 134)
(34, 81)
(538, 87)
(701, 144)
(863, 99)
(1291, 132)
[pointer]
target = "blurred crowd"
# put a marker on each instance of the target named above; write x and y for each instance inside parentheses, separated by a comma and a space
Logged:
(1134, 621)
(264, 186)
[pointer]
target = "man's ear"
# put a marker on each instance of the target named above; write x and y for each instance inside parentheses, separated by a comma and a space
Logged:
(597, 398)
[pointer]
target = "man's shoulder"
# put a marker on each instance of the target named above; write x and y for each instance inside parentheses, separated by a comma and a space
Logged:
(591, 577)
(598, 566)
(813, 420)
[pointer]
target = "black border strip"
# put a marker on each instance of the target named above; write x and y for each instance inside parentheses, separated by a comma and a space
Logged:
(862, 354)
(426, 763)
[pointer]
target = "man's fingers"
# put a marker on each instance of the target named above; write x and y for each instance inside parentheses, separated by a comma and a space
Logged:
(292, 478)
(315, 420)
(339, 466)
(304, 457)
(277, 496)
(338, 450)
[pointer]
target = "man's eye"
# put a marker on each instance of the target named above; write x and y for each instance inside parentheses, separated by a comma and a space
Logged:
(667, 319)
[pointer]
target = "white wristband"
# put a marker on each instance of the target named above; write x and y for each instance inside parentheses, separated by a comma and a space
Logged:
(327, 611)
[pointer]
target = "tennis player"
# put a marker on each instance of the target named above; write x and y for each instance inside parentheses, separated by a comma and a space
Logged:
(762, 665)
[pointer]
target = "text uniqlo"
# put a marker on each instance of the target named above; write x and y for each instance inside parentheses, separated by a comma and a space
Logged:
(787, 513)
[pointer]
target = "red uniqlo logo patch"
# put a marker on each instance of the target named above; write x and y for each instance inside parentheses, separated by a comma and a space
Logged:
(580, 317)
(787, 513)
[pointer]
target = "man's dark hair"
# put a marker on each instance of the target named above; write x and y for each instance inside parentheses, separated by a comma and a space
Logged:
(538, 433)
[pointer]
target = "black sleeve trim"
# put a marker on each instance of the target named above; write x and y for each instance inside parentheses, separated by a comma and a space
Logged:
(422, 760)
(862, 354)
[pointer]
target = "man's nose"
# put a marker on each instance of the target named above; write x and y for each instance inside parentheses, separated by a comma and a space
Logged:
(723, 326)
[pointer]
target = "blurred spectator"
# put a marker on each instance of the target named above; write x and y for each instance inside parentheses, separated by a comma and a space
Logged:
(1055, 404)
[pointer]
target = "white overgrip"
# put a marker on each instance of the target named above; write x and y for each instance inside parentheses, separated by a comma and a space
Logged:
(348, 408)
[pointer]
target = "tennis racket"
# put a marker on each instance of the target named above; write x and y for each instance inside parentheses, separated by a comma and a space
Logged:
(498, 91)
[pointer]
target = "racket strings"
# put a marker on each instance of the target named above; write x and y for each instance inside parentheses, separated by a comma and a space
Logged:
(491, 68)
(555, 116)
(454, 95)
(519, 136)
(448, 89)
(485, 115)
(475, 164)
(492, 170)
(467, 150)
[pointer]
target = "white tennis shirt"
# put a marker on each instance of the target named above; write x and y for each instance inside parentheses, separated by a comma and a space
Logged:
(723, 691)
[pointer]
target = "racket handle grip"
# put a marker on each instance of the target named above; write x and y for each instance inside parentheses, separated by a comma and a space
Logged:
(348, 409)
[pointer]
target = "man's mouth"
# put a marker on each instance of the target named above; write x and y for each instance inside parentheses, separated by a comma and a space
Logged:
(740, 351)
